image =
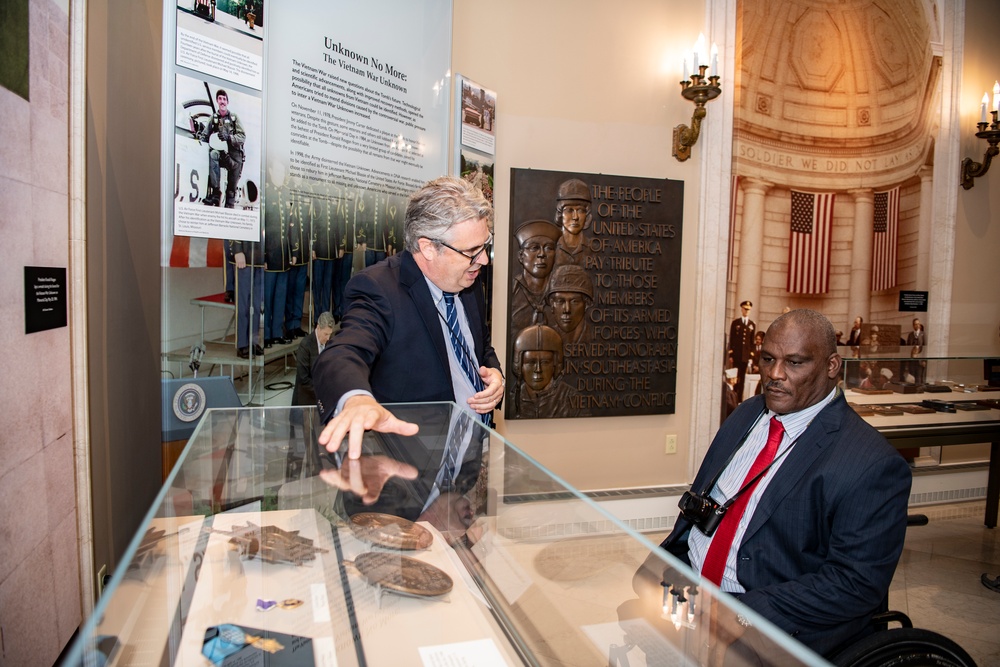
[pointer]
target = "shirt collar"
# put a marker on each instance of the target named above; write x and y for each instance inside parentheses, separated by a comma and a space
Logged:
(796, 423)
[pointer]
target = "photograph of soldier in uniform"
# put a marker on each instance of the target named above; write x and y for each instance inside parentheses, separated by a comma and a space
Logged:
(226, 125)
(216, 150)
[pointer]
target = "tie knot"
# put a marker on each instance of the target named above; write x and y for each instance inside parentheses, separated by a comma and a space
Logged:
(449, 298)
(776, 430)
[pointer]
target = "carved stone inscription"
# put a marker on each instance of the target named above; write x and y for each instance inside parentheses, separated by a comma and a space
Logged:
(593, 295)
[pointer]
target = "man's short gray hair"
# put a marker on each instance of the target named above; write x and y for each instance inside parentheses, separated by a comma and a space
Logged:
(441, 204)
(326, 321)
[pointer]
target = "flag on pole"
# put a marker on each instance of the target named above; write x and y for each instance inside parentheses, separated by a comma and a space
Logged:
(886, 239)
(809, 243)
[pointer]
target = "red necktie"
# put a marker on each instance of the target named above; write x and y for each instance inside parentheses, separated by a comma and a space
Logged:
(715, 560)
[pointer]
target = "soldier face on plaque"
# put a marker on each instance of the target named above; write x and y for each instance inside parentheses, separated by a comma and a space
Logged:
(538, 367)
(568, 309)
(574, 216)
(537, 256)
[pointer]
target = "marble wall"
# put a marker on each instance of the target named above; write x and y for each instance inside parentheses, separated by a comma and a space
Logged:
(39, 563)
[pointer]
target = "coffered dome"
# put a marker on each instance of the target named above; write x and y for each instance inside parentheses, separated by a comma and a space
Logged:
(835, 90)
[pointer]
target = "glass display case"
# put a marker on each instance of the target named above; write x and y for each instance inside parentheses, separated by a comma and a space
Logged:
(917, 401)
(262, 548)
(910, 369)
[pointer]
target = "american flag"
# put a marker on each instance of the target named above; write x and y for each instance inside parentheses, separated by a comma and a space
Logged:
(809, 245)
(886, 239)
(190, 252)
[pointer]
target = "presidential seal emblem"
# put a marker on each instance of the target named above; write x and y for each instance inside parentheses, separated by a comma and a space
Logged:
(189, 402)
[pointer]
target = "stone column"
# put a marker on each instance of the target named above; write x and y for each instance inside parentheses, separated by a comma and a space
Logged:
(924, 230)
(859, 295)
(751, 257)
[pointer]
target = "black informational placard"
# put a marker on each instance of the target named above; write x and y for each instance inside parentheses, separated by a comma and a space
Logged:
(44, 298)
(912, 302)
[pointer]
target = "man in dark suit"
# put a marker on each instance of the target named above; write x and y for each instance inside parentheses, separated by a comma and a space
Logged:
(395, 345)
(741, 333)
(305, 358)
(812, 544)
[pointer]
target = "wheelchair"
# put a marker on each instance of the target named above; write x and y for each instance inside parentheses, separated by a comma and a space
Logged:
(903, 646)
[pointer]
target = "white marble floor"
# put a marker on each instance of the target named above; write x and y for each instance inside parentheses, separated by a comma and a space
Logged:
(937, 582)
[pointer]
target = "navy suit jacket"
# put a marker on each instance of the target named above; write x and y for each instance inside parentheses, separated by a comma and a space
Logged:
(390, 342)
(822, 546)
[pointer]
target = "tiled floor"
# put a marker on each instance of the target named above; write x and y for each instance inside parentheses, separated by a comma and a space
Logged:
(937, 582)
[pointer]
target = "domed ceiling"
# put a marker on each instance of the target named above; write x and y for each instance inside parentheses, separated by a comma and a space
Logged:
(835, 93)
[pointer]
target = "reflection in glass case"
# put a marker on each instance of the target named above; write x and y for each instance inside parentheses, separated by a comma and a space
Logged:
(263, 547)
(911, 370)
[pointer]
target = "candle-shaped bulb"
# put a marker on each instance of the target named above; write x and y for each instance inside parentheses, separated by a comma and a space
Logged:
(715, 61)
(996, 95)
(699, 50)
(982, 107)
(686, 73)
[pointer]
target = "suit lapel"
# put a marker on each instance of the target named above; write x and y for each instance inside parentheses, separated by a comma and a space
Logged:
(820, 434)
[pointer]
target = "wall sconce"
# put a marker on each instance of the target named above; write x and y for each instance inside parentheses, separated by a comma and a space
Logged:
(699, 89)
(970, 169)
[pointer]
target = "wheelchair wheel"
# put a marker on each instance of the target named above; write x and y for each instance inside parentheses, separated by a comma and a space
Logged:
(904, 647)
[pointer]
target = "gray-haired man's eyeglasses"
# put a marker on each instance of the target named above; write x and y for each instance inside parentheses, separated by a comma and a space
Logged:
(472, 254)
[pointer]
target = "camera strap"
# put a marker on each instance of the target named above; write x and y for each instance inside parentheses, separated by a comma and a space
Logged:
(715, 480)
(750, 483)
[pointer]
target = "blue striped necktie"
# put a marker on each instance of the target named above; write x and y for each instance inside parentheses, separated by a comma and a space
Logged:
(459, 346)
(450, 464)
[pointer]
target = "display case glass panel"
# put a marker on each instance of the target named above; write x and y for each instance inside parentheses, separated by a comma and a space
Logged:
(264, 547)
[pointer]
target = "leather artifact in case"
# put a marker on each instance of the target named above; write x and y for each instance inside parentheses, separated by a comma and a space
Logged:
(902, 387)
(937, 388)
(990, 402)
(969, 406)
(914, 409)
(863, 410)
(886, 410)
(940, 406)
(872, 392)
(387, 530)
(401, 574)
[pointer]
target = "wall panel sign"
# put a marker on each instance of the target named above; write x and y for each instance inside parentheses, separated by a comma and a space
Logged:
(593, 294)
(357, 112)
(44, 298)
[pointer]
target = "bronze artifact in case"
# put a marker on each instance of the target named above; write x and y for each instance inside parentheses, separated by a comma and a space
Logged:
(390, 531)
